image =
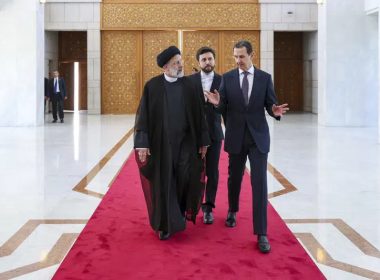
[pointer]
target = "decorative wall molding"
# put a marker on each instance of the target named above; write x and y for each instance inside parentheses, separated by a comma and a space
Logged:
(165, 16)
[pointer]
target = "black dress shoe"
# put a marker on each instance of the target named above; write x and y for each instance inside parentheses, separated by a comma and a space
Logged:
(54, 121)
(208, 218)
(163, 235)
(62, 121)
(231, 219)
(263, 244)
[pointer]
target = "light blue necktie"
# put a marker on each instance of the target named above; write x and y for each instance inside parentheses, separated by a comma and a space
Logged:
(56, 85)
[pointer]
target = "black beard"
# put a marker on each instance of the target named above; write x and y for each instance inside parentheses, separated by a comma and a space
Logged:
(206, 69)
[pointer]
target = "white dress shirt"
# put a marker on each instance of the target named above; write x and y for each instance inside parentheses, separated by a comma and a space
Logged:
(249, 77)
(56, 83)
(207, 80)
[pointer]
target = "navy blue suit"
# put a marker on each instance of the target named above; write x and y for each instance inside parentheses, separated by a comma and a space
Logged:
(247, 134)
(57, 98)
(214, 123)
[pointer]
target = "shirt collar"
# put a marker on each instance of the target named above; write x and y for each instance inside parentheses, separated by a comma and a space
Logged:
(250, 70)
(205, 75)
(170, 79)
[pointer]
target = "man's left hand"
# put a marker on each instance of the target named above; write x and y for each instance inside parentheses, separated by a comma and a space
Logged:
(202, 151)
(279, 110)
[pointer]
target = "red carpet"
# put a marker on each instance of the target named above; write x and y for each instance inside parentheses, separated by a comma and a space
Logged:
(118, 243)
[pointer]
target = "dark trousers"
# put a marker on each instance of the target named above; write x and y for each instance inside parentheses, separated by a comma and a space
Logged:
(236, 167)
(57, 102)
(212, 173)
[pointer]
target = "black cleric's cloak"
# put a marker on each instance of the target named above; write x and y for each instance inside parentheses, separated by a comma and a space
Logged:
(170, 194)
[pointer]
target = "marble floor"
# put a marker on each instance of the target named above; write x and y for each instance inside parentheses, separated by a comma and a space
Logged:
(323, 181)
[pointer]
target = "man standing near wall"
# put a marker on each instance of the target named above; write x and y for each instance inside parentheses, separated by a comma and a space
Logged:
(57, 94)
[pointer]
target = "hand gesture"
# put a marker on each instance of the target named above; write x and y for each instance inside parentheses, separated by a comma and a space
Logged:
(279, 110)
(202, 151)
(143, 153)
(213, 98)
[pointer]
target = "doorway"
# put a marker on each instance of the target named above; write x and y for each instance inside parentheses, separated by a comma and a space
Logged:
(288, 69)
(72, 65)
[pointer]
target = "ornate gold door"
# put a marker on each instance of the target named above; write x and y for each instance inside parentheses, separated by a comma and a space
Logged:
(121, 71)
(153, 43)
(135, 31)
(192, 41)
(222, 42)
(229, 39)
(128, 61)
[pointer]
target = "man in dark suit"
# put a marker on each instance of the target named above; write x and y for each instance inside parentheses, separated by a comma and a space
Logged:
(46, 95)
(244, 94)
(208, 80)
(57, 93)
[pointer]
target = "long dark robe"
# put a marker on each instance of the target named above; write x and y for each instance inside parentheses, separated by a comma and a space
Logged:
(173, 176)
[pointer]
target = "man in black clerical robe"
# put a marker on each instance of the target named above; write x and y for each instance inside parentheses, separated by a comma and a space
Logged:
(171, 139)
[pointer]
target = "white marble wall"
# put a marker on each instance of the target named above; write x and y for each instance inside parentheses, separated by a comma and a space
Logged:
(21, 63)
(81, 15)
(347, 70)
(372, 6)
(289, 15)
(283, 15)
(51, 51)
(372, 9)
(310, 71)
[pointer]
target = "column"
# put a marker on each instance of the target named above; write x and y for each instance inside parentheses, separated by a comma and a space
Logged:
(22, 63)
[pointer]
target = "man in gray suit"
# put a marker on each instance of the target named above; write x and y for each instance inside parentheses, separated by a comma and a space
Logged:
(243, 95)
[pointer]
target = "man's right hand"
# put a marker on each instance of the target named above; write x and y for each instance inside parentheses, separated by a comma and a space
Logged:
(143, 153)
(213, 98)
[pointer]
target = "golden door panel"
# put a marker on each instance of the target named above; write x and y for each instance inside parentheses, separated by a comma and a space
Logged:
(228, 40)
(153, 43)
(129, 60)
(192, 41)
(121, 70)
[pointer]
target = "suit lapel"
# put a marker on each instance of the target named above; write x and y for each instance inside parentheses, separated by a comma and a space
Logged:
(199, 85)
(255, 86)
(199, 80)
(215, 81)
